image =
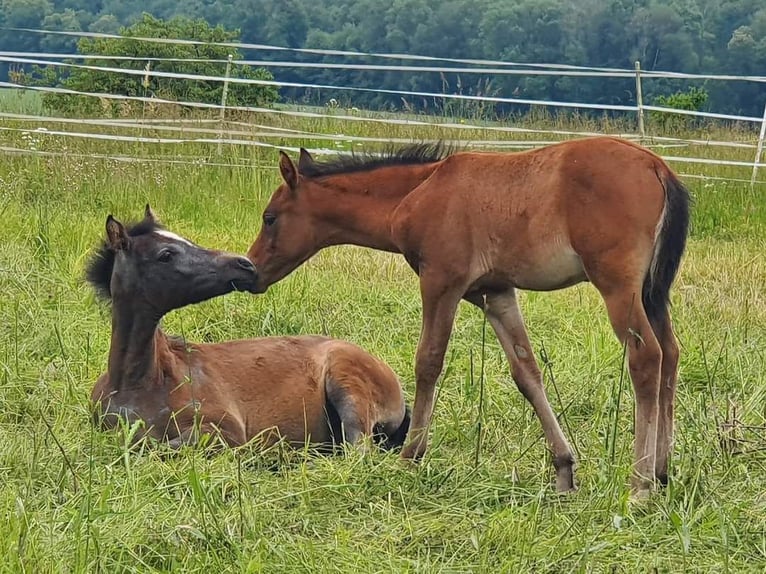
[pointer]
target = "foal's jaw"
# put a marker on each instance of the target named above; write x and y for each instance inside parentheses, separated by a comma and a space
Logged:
(263, 279)
(254, 254)
(222, 274)
(273, 268)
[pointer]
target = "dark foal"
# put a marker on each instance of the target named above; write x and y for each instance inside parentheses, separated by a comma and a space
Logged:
(301, 389)
(479, 226)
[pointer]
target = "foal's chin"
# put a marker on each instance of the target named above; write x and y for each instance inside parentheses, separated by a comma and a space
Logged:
(256, 288)
(246, 287)
(220, 285)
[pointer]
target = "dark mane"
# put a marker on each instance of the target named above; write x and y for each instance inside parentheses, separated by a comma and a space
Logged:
(414, 154)
(98, 271)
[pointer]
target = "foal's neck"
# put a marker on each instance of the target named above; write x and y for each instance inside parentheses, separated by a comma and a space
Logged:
(360, 205)
(136, 348)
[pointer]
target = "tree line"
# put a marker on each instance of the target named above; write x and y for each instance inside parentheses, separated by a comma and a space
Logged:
(697, 36)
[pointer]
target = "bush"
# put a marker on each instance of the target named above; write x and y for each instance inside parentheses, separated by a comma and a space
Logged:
(693, 100)
(176, 89)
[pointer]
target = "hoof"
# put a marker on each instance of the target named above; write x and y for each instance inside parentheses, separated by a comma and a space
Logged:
(409, 463)
(413, 452)
(565, 483)
(410, 459)
(566, 490)
(564, 466)
(640, 495)
(642, 485)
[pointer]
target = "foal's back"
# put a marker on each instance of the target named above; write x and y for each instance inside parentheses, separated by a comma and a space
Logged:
(297, 385)
(299, 389)
(529, 219)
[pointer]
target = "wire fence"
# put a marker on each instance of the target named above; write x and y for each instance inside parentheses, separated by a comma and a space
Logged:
(268, 135)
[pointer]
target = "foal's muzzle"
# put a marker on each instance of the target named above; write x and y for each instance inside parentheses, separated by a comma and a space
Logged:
(245, 274)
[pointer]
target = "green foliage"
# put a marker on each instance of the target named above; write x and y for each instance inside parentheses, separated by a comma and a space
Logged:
(21, 102)
(699, 36)
(22, 14)
(176, 89)
(692, 100)
(67, 21)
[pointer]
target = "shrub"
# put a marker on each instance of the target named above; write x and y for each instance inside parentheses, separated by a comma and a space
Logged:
(693, 100)
(176, 89)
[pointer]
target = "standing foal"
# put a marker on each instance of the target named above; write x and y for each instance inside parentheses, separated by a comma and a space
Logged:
(478, 226)
(301, 389)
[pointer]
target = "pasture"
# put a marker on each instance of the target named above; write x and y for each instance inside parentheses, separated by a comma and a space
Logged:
(73, 499)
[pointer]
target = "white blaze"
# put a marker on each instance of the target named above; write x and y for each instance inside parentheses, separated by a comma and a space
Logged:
(171, 235)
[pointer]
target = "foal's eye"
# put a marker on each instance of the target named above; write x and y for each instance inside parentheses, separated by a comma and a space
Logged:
(269, 219)
(165, 255)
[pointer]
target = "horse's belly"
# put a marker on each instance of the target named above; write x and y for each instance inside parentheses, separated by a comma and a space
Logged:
(296, 418)
(548, 270)
(301, 432)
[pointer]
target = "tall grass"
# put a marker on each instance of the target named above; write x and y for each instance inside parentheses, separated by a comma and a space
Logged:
(74, 500)
(20, 102)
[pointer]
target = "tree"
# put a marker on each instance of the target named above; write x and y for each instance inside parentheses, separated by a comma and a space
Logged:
(746, 55)
(704, 36)
(209, 61)
(66, 20)
(106, 24)
(23, 14)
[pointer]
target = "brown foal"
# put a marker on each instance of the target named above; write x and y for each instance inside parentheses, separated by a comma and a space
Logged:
(300, 389)
(478, 226)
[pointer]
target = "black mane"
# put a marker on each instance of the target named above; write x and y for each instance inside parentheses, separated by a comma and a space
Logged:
(414, 154)
(98, 271)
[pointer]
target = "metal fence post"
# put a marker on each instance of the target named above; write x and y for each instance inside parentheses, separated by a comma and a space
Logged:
(224, 93)
(759, 148)
(640, 102)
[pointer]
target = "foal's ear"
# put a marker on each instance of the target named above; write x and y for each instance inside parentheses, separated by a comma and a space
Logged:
(149, 214)
(116, 234)
(305, 160)
(287, 168)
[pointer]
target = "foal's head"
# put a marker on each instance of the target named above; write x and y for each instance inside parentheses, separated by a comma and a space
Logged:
(148, 265)
(303, 214)
(288, 235)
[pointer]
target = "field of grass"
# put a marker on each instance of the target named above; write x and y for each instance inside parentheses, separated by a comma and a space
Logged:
(73, 499)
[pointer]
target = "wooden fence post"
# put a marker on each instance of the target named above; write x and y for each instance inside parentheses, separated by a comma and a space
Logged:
(640, 102)
(224, 93)
(759, 148)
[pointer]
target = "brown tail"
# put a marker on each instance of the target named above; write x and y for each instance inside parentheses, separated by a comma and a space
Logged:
(671, 243)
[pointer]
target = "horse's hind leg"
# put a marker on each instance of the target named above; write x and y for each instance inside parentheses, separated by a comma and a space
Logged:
(631, 325)
(663, 330)
(505, 317)
(347, 396)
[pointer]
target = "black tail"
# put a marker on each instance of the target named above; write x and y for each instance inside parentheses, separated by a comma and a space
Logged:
(397, 438)
(671, 242)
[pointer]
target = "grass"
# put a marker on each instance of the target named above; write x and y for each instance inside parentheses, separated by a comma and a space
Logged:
(20, 102)
(74, 500)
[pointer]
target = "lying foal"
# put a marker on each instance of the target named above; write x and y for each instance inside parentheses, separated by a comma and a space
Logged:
(302, 389)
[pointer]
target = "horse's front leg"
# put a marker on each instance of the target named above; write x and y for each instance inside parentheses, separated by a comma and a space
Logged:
(439, 306)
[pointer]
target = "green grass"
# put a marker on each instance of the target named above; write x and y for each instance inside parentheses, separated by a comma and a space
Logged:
(20, 102)
(73, 500)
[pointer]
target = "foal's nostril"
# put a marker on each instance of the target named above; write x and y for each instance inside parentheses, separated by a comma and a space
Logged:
(245, 264)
